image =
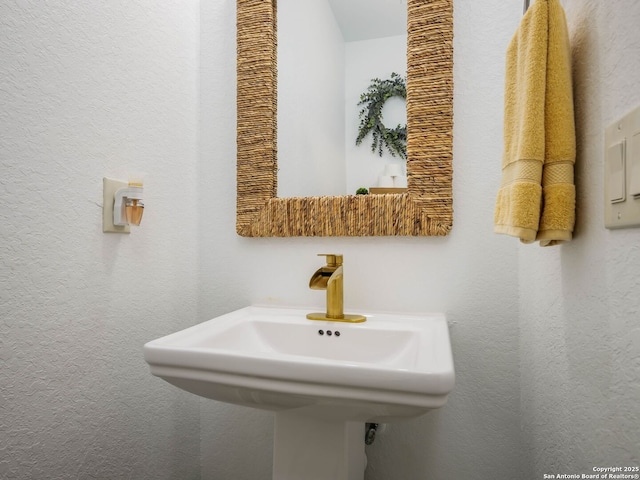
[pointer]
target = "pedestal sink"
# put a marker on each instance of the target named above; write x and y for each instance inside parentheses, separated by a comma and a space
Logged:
(322, 379)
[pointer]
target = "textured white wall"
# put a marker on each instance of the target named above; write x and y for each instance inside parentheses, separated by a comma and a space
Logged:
(471, 274)
(579, 304)
(93, 89)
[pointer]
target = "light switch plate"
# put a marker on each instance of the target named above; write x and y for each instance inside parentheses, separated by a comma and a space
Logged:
(109, 189)
(621, 171)
(615, 165)
(634, 168)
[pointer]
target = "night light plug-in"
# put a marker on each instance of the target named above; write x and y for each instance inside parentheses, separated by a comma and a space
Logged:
(123, 205)
(128, 206)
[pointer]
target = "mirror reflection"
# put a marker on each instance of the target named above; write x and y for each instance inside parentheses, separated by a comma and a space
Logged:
(328, 53)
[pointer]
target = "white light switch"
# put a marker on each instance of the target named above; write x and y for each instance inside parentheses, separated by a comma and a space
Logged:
(616, 169)
(622, 172)
(634, 166)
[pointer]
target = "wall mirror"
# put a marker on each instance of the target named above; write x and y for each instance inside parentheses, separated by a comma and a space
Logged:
(425, 208)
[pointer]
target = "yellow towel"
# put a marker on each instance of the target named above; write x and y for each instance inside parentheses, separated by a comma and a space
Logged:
(536, 200)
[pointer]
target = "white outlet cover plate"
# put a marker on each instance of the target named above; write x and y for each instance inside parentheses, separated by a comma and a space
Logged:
(109, 189)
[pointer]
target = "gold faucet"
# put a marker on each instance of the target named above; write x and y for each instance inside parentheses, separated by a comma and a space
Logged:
(331, 278)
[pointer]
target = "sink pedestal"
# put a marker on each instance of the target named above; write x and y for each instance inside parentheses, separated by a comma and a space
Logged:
(309, 448)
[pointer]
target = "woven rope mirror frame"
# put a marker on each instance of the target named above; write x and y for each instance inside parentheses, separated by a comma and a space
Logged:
(427, 207)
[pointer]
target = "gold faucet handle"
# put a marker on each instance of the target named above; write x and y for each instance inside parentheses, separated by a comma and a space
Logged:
(333, 259)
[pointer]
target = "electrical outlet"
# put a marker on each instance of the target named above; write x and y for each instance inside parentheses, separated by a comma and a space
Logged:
(109, 189)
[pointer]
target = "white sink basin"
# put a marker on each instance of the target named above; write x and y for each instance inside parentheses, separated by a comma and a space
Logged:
(387, 368)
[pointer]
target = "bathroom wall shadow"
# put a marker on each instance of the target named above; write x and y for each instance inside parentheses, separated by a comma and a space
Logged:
(583, 270)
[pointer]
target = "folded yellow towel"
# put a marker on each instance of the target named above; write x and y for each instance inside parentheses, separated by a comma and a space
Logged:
(536, 200)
